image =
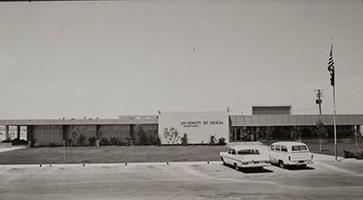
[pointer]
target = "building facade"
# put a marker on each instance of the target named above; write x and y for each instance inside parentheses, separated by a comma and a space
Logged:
(198, 126)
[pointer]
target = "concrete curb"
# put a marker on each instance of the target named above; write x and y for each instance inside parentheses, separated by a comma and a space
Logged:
(110, 164)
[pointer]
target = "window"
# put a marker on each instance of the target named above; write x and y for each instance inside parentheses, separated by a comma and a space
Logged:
(232, 151)
(284, 148)
(277, 148)
(272, 147)
(248, 151)
(299, 148)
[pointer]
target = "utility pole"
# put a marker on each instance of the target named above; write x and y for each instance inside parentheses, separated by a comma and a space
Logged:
(319, 101)
(319, 95)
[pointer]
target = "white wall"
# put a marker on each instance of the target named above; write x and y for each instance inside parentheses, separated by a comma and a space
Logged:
(199, 126)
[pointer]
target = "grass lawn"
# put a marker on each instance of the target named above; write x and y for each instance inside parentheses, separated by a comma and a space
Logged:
(328, 147)
(111, 154)
(347, 144)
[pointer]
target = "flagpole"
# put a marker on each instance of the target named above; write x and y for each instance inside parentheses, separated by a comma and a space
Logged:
(331, 69)
(335, 127)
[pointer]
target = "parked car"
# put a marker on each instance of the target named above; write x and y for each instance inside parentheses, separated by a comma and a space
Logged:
(245, 156)
(290, 153)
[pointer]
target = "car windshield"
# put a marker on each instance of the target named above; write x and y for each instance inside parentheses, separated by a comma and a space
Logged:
(299, 148)
(248, 151)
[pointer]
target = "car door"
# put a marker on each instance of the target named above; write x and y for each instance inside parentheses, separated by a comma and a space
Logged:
(284, 153)
(271, 153)
(228, 156)
(277, 153)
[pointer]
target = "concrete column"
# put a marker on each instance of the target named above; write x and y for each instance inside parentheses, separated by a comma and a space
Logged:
(29, 133)
(132, 133)
(6, 132)
(235, 134)
(98, 134)
(18, 132)
(64, 130)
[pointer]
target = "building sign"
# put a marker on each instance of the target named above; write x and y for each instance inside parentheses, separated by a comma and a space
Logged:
(200, 123)
(199, 126)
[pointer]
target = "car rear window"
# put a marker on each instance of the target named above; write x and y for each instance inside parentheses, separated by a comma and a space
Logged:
(248, 152)
(299, 148)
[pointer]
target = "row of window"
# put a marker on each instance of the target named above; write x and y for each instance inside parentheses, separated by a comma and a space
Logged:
(244, 151)
(284, 148)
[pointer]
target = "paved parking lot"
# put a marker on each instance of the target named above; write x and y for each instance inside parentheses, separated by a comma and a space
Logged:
(189, 180)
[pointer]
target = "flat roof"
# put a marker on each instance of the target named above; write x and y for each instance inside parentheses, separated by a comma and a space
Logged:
(294, 120)
(235, 120)
(121, 121)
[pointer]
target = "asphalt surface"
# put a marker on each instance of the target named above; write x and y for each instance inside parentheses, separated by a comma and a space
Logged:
(325, 179)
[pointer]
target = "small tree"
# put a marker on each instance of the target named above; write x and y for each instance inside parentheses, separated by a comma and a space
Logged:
(81, 139)
(212, 140)
(296, 133)
(222, 141)
(321, 131)
(172, 136)
(266, 133)
(184, 139)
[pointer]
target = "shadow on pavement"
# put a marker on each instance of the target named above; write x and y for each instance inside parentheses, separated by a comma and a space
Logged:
(251, 170)
(255, 170)
(296, 168)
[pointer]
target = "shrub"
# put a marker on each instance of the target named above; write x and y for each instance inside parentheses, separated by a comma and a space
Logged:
(158, 141)
(34, 143)
(69, 141)
(92, 141)
(184, 139)
(359, 155)
(222, 141)
(81, 139)
(6, 141)
(104, 141)
(212, 140)
(18, 142)
(52, 144)
(115, 141)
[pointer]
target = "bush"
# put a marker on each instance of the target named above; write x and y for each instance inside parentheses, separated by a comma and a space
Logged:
(92, 141)
(158, 141)
(212, 140)
(18, 142)
(69, 141)
(104, 141)
(348, 154)
(222, 141)
(33, 143)
(359, 155)
(52, 144)
(115, 141)
(6, 141)
(81, 139)
(184, 139)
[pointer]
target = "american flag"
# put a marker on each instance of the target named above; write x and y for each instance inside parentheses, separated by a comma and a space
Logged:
(331, 67)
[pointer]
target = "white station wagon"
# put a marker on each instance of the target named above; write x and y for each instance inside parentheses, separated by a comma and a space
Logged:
(245, 156)
(290, 153)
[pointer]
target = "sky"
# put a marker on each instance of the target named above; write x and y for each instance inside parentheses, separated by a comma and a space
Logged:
(111, 58)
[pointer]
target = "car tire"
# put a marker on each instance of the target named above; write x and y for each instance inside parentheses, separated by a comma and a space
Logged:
(236, 167)
(224, 163)
(281, 164)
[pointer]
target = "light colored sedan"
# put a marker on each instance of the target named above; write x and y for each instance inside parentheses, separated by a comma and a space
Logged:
(245, 156)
